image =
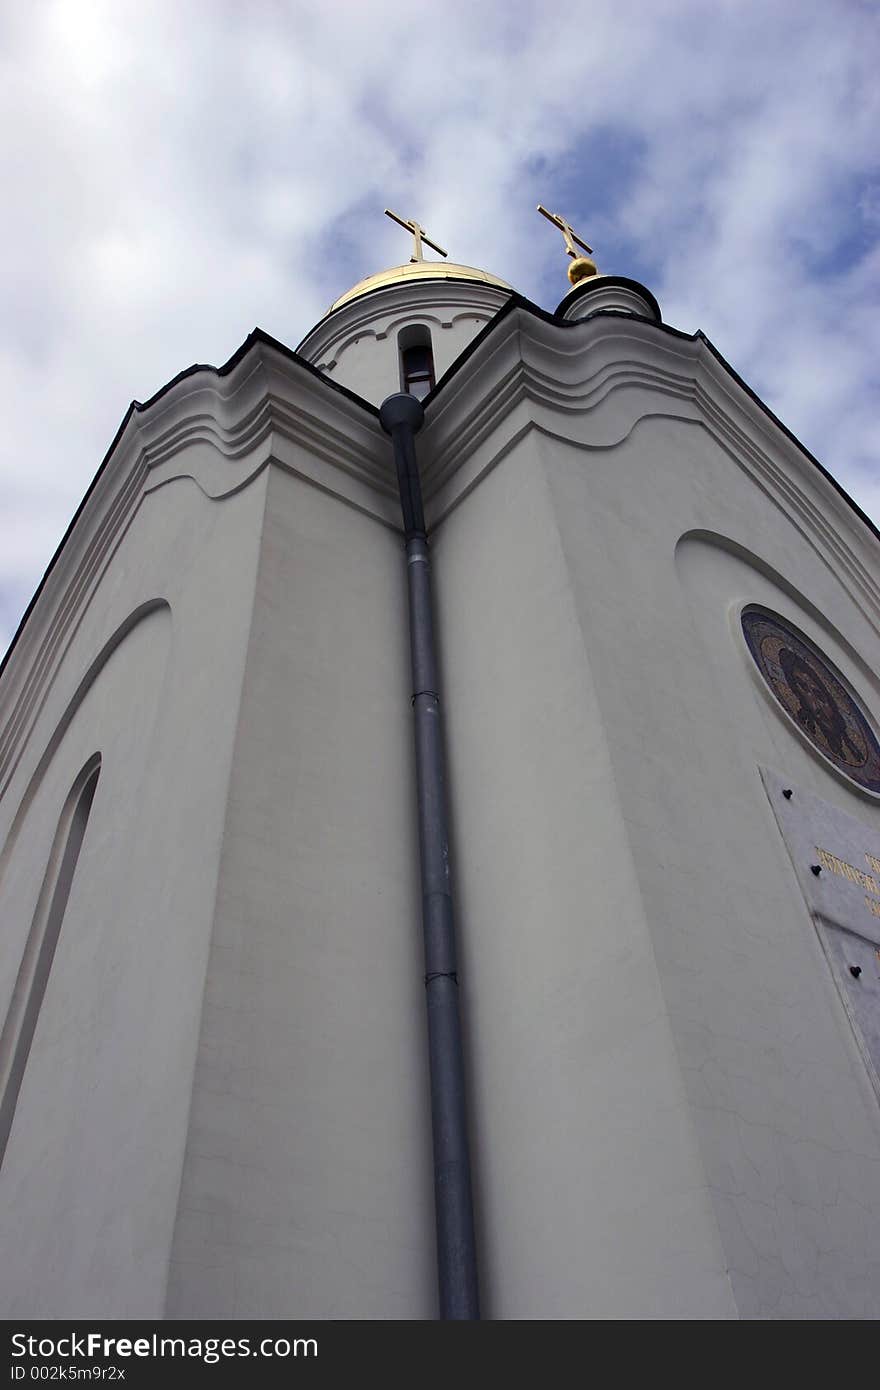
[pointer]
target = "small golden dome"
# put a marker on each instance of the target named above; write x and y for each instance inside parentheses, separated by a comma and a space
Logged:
(418, 270)
(581, 268)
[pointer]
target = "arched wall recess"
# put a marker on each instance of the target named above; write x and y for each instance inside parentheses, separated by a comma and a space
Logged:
(416, 359)
(134, 619)
(691, 543)
(142, 641)
(388, 330)
(105, 1090)
(414, 335)
(722, 579)
(39, 951)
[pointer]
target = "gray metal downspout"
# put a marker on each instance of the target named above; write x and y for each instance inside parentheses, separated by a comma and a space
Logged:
(401, 416)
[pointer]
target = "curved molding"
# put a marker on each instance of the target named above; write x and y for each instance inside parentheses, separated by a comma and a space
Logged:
(402, 321)
(588, 384)
(25, 715)
(378, 312)
(239, 419)
(803, 613)
(39, 952)
(219, 430)
(213, 491)
(528, 372)
(477, 315)
(721, 541)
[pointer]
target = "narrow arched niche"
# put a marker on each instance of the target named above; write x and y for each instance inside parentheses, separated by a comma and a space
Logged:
(416, 356)
(39, 952)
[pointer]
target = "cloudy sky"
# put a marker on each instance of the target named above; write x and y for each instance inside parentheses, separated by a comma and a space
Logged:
(176, 172)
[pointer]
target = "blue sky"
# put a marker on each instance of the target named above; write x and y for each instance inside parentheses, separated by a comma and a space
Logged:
(177, 173)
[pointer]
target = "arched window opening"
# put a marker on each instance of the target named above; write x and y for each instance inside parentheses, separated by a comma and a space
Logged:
(416, 360)
(39, 952)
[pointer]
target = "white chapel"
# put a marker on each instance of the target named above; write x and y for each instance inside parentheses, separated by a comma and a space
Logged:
(656, 624)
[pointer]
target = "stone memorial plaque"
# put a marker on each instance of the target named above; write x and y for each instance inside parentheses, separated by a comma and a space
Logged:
(837, 862)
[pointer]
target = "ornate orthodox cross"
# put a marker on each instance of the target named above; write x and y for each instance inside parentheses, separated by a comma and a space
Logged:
(419, 234)
(566, 230)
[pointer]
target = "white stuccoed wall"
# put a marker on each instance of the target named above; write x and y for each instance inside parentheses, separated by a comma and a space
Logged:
(94, 1183)
(592, 1193)
(89, 1182)
(225, 1111)
(665, 1079)
(788, 1131)
(307, 1186)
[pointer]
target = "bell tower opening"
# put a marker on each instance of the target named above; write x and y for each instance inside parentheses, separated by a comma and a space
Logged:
(416, 360)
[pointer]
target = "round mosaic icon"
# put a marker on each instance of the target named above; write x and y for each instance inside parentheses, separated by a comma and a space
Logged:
(811, 690)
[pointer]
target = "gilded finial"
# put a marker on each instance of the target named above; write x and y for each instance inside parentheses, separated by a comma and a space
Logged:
(418, 233)
(581, 267)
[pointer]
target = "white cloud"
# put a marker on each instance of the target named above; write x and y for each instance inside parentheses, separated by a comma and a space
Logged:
(178, 172)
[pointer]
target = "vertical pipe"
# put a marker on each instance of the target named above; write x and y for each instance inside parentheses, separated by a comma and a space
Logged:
(401, 416)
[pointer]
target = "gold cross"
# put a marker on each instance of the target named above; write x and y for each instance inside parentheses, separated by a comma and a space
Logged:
(566, 230)
(419, 234)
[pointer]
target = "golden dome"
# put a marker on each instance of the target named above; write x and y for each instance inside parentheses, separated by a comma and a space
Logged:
(418, 270)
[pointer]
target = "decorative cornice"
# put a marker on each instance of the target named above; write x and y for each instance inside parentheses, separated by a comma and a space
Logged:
(389, 327)
(264, 406)
(244, 416)
(528, 372)
(376, 313)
